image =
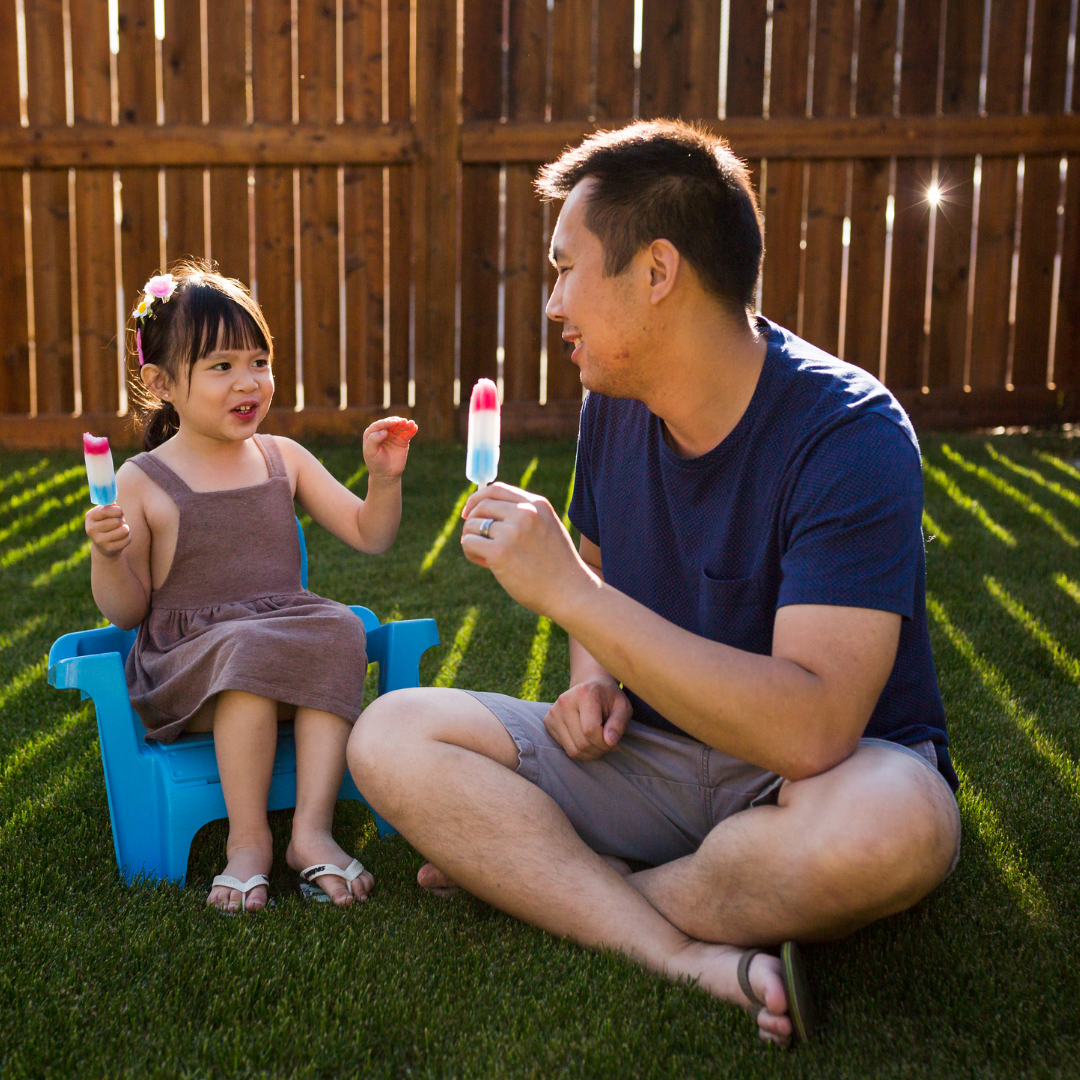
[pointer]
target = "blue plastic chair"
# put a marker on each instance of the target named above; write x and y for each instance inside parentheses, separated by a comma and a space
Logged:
(161, 795)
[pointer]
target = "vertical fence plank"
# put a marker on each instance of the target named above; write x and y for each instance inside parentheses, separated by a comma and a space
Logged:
(918, 92)
(136, 81)
(1038, 231)
(183, 105)
(1067, 357)
(524, 260)
(319, 209)
(94, 214)
(228, 104)
(615, 59)
(827, 192)
(571, 44)
(997, 201)
(746, 58)
(363, 208)
(962, 66)
(482, 98)
(14, 331)
(784, 179)
(401, 203)
(680, 58)
(434, 183)
(870, 190)
(274, 258)
(49, 207)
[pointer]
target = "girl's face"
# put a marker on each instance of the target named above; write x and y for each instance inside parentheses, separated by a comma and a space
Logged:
(227, 394)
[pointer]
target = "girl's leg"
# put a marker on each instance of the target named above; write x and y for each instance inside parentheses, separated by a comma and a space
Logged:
(245, 738)
(321, 738)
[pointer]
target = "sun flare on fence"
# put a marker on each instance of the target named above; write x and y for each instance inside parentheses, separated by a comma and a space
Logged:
(1063, 766)
(448, 671)
(1029, 504)
(1005, 852)
(947, 485)
(452, 520)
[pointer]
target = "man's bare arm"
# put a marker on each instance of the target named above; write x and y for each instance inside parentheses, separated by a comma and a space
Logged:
(797, 712)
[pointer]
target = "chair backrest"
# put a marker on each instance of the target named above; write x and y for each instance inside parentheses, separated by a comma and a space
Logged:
(303, 553)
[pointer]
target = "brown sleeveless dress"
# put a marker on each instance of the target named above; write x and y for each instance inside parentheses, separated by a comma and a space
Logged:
(232, 614)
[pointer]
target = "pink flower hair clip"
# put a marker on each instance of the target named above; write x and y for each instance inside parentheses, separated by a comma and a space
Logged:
(160, 287)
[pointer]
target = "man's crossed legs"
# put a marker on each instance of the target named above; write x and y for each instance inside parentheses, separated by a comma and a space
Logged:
(834, 852)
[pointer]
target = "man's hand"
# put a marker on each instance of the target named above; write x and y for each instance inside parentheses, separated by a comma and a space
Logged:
(527, 548)
(589, 719)
(106, 527)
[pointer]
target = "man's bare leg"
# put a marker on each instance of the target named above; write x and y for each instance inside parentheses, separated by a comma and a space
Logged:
(524, 857)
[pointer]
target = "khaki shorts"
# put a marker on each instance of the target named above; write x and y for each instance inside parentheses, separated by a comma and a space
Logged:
(657, 795)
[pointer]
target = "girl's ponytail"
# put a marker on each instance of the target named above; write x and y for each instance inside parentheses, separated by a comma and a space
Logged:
(159, 425)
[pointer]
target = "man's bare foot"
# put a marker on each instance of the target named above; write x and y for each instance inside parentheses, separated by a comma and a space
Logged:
(715, 969)
(430, 877)
(247, 857)
(308, 848)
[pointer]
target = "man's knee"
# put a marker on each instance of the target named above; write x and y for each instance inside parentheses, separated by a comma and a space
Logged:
(376, 735)
(396, 726)
(884, 827)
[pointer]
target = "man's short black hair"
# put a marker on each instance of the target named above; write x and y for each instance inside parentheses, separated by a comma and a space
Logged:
(664, 179)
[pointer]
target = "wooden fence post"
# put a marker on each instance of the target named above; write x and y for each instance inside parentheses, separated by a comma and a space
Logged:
(435, 186)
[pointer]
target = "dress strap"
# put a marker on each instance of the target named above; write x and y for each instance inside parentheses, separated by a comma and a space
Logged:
(274, 461)
(161, 474)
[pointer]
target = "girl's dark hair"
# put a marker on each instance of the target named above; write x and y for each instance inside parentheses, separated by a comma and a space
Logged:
(207, 311)
(668, 179)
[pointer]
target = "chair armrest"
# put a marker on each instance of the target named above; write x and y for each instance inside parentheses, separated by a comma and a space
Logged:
(398, 647)
(101, 677)
(104, 639)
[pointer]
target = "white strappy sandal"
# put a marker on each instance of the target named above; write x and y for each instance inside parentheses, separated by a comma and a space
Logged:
(242, 887)
(310, 891)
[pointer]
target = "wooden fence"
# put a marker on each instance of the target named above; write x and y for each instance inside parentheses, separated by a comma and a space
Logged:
(366, 164)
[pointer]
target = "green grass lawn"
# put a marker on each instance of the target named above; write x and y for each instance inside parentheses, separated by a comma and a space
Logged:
(979, 979)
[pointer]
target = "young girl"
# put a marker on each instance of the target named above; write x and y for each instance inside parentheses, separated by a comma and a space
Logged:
(200, 552)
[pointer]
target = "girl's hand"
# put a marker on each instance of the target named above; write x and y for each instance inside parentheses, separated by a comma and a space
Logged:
(386, 446)
(106, 527)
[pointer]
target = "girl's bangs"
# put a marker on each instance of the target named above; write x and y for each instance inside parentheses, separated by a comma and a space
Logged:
(218, 321)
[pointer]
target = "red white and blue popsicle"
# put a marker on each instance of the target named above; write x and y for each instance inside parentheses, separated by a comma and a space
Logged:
(482, 454)
(99, 469)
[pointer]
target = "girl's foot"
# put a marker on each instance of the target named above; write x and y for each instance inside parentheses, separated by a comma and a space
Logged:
(306, 849)
(244, 862)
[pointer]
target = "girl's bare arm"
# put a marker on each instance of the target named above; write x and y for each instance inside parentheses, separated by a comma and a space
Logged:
(369, 525)
(120, 553)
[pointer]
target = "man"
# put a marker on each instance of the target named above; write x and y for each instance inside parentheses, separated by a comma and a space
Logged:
(753, 724)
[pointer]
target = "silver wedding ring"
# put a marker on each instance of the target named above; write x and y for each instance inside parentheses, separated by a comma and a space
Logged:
(485, 527)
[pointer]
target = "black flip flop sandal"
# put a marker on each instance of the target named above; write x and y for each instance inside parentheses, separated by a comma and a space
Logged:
(800, 1002)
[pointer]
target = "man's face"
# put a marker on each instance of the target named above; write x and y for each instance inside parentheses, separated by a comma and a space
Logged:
(603, 317)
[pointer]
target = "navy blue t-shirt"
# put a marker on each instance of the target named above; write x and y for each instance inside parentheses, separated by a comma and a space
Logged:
(814, 498)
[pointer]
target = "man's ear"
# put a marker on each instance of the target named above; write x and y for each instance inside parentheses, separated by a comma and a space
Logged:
(155, 380)
(664, 264)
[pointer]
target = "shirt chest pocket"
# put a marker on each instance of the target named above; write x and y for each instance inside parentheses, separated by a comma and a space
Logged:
(734, 612)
